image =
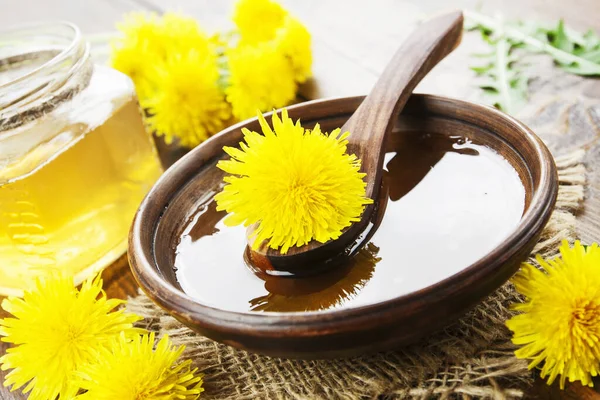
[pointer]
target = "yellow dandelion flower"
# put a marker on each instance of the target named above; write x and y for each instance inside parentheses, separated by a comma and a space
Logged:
(160, 36)
(140, 29)
(293, 40)
(286, 33)
(190, 105)
(182, 34)
(136, 49)
(260, 78)
(147, 40)
(133, 62)
(258, 20)
(560, 320)
(133, 370)
(55, 330)
(297, 185)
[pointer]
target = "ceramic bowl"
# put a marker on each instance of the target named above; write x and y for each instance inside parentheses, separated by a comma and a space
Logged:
(345, 332)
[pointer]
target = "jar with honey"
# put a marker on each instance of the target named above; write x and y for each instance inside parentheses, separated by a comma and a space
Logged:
(75, 159)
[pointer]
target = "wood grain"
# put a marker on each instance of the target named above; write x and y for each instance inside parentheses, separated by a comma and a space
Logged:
(347, 62)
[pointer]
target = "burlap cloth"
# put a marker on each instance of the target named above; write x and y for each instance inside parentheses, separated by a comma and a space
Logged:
(473, 357)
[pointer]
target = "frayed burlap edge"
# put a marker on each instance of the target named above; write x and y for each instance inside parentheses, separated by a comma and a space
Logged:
(471, 358)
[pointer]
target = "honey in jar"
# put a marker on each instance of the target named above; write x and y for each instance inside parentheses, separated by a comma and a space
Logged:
(75, 159)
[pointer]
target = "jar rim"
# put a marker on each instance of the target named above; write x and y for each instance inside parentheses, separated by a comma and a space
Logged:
(58, 58)
(59, 67)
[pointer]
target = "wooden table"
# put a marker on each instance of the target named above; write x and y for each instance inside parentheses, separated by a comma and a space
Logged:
(347, 60)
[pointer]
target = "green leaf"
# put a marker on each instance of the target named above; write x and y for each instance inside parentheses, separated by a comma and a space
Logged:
(591, 39)
(500, 77)
(581, 52)
(558, 38)
(482, 55)
(584, 70)
(593, 55)
(482, 69)
(572, 51)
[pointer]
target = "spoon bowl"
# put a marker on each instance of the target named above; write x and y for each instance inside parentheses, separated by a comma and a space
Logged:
(402, 319)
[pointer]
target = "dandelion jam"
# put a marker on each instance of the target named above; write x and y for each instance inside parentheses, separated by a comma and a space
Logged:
(75, 163)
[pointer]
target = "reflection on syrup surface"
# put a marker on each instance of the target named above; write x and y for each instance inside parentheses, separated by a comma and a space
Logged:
(450, 203)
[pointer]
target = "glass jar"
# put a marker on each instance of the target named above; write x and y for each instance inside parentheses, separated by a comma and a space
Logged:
(75, 159)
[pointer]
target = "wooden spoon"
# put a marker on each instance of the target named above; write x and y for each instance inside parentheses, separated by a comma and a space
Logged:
(369, 126)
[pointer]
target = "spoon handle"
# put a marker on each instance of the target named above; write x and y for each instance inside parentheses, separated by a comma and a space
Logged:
(368, 127)
(376, 116)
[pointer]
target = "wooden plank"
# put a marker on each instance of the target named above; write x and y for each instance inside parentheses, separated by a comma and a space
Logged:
(91, 16)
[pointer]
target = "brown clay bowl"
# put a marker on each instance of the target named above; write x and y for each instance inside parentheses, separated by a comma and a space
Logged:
(346, 332)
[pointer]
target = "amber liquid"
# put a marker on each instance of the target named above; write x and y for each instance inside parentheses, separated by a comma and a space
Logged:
(73, 212)
(450, 202)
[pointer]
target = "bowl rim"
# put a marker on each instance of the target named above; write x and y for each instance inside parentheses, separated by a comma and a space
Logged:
(310, 323)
